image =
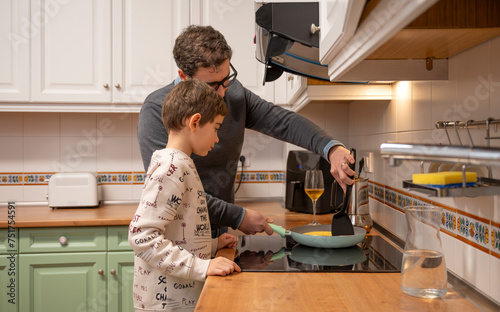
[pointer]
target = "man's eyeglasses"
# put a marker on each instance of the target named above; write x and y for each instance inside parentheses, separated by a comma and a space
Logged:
(226, 82)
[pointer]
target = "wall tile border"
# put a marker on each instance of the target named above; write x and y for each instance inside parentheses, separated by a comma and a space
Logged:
(261, 177)
(118, 178)
(103, 178)
(476, 231)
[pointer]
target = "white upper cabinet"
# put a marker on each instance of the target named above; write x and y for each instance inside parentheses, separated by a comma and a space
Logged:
(14, 50)
(71, 51)
(106, 51)
(144, 33)
(236, 21)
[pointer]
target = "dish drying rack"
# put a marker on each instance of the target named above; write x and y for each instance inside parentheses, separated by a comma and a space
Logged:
(465, 155)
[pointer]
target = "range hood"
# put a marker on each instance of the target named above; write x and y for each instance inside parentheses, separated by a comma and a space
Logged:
(287, 40)
(352, 30)
(288, 35)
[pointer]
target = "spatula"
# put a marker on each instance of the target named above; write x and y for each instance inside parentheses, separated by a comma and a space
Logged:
(341, 224)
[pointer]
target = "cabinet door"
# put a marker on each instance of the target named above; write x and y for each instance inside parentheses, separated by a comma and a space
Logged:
(295, 85)
(9, 296)
(288, 88)
(14, 50)
(236, 21)
(71, 50)
(120, 281)
(63, 282)
(144, 33)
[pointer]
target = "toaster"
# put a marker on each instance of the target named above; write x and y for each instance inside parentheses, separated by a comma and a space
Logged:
(73, 190)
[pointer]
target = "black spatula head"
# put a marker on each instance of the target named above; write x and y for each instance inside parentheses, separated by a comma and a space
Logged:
(341, 224)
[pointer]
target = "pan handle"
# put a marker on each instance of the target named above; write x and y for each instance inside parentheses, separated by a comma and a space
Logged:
(278, 229)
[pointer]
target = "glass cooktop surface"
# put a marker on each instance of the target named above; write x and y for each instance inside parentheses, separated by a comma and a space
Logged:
(262, 253)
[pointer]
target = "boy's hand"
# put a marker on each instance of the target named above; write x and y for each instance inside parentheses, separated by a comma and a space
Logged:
(226, 240)
(222, 266)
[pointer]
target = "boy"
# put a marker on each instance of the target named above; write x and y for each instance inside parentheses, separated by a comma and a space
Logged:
(170, 232)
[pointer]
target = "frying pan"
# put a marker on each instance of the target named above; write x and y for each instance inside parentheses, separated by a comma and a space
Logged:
(340, 241)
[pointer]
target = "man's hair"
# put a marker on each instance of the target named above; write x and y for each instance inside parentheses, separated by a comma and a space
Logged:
(200, 46)
(188, 98)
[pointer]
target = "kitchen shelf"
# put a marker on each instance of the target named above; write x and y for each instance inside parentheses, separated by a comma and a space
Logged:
(467, 156)
(474, 156)
(483, 187)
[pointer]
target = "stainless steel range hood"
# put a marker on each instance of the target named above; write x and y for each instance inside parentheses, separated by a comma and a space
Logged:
(287, 40)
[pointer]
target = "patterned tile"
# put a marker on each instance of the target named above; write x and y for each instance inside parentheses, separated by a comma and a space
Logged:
(139, 178)
(261, 177)
(38, 178)
(114, 178)
(11, 178)
(449, 221)
(390, 197)
(495, 239)
(473, 230)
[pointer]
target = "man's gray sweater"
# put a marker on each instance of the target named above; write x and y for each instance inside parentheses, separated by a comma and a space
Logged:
(218, 169)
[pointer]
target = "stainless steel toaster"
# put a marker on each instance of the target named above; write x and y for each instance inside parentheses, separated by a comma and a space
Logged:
(73, 190)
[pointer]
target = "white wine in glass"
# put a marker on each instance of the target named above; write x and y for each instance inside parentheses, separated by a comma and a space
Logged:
(314, 188)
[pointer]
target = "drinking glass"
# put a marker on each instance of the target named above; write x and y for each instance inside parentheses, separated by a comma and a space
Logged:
(314, 188)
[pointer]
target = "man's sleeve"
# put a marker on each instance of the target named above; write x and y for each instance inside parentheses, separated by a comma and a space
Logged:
(286, 125)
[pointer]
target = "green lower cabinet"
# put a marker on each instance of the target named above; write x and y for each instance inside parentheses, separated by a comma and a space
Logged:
(63, 282)
(120, 281)
(9, 295)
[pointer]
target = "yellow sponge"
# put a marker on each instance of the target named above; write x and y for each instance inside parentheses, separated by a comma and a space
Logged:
(444, 177)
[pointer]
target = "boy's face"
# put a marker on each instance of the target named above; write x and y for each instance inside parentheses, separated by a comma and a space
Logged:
(206, 136)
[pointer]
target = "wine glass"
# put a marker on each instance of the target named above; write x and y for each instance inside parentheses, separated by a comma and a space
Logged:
(314, 188)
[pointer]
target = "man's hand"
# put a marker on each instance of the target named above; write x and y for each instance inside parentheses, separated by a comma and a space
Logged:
(340, 157)
(254, 222)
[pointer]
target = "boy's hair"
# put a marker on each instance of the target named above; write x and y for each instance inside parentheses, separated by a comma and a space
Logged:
(188, 98)
(200, 46)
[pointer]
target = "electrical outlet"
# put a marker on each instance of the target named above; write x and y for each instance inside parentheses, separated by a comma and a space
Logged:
(247, 159)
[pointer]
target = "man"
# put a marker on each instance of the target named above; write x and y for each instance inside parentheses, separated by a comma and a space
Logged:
(202, 52)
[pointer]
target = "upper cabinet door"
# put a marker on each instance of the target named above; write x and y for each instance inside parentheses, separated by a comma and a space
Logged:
(71, 50)
(236, 21)
(144, 33)
(14, 50)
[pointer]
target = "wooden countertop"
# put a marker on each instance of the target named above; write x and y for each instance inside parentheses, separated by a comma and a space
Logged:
(250, 291)
(44, 216)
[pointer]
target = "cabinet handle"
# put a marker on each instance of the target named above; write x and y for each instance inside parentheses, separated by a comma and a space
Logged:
(112, 271)
(100, 272)
(105, 85)
(117, 85)
(290, 77)
(63, 240)
(314, 29)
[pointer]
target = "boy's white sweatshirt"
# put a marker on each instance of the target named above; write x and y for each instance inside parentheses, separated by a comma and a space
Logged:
(170, 234)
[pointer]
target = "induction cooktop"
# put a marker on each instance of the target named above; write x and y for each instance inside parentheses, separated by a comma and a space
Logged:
(263, 253)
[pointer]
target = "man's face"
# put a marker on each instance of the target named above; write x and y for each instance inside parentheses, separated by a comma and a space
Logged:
(211, 75)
